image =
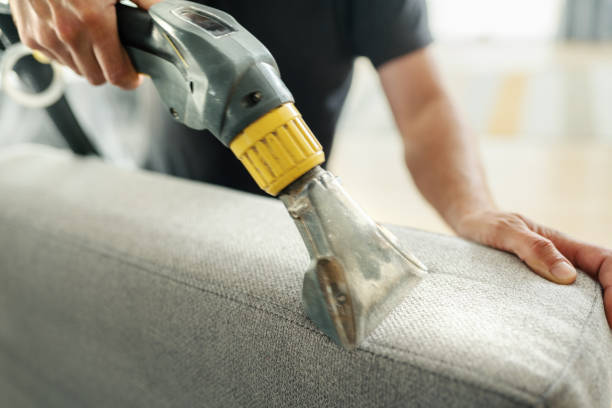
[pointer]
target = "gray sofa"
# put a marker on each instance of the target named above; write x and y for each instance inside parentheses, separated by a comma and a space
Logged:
(124, 288)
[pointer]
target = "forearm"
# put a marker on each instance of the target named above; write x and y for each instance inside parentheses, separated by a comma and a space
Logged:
(440, 153)
(444, 161)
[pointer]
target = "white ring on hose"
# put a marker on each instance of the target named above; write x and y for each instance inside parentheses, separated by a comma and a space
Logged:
(48, 97)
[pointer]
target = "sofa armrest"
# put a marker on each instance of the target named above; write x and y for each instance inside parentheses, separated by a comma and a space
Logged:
(126, 288)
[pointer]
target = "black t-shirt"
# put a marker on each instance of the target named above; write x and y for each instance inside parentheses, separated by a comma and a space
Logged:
(314, 43)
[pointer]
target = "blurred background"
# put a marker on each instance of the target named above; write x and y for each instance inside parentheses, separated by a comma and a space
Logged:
(533, 80)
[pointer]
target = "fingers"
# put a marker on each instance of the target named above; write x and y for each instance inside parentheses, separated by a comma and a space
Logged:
(52, 46)
(26, 22)
(110, 54)
(594, 260)
(80, 35)
(73, 30)
(37, 33)
(541, 255)
(510, 232)
(589, 258)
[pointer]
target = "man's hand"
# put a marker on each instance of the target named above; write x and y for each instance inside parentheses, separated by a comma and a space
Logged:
(444, 162)
(549, 253)
(81, 34)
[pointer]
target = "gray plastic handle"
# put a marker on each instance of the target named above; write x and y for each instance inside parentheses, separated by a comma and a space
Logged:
(209, 71)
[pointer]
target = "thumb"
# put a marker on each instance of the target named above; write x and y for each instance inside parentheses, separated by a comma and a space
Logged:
(541, 255)
(145, 4)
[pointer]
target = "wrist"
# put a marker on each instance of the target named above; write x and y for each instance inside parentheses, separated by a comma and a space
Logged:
(460, 212)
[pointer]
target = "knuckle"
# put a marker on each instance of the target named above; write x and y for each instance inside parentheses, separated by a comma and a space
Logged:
(90, 18)
(501, 226)
(118, 76)
(48, 40)
(67, 31)
(518, 217)
(96, 80)
(541, 246)
(505, 223)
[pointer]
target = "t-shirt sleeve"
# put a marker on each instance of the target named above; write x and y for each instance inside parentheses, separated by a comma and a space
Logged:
(385, 29)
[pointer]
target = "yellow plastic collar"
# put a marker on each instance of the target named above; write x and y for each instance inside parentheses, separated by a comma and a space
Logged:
(278, 148)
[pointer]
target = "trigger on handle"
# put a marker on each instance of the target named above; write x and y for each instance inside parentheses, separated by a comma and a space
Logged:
(137, 32)
(135, 28)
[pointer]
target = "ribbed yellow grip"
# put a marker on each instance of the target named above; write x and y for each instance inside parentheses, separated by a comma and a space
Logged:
(278, 148)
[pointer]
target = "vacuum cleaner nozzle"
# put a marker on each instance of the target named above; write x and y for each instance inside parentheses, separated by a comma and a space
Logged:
(358, 271)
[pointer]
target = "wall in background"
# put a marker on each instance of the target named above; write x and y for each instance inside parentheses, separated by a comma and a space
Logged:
(453, 20)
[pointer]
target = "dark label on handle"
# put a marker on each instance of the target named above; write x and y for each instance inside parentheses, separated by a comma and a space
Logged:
(206, 21)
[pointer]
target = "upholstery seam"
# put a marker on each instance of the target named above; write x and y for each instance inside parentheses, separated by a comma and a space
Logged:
(134, 260)
(543, 397)
(291, 319)
(73, 240)
(235, 297)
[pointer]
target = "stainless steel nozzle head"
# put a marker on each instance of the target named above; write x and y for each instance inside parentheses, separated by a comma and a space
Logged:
(358, 271)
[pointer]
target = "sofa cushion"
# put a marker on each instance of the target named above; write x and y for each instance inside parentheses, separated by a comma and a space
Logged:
(126, 288)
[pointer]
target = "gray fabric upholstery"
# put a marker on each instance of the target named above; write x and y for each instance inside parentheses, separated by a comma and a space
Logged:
(122, 288)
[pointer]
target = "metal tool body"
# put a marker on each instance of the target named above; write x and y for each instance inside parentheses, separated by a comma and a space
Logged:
(358, 270)
(214, 75)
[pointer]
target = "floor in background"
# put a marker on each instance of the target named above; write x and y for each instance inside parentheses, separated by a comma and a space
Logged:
(557, 175)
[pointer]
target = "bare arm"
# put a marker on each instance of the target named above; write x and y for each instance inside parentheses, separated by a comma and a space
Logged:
(439, 152)
(444, 161)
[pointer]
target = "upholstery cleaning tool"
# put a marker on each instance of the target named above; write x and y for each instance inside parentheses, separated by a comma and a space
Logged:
(213, 74)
